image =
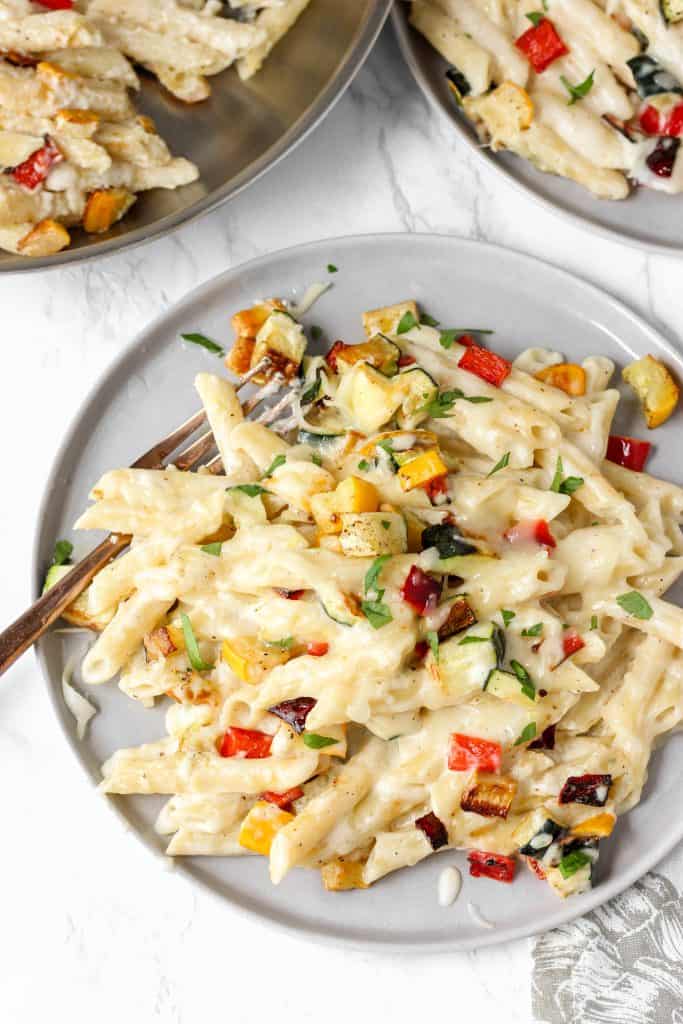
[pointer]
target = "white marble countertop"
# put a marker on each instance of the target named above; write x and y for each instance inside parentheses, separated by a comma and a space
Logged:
(90, 926)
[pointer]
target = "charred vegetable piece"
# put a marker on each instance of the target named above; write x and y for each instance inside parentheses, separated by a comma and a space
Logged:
(434, 829)
(491, 865)
(290, 595)
(546, 741)
(485, 364)
(672, 11)
(446, 539)
(530, 531)
(467, 752)
(460, 617)
(294, 712)
(629, 452)
(283, 800)
(247, 743)
(378, 351)
(586, 789)
(651, 78)
(159, 643)
(489, 795)
(458, 84)
(420, 591)
(663, 157)
(544, 845)
(35, 169)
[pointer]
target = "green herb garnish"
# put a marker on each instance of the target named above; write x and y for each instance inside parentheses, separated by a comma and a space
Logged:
(251, 490)
(527, 685)
(385, 524)
(204, 342)
(535, 17)
(377, 612)
(364, 465)
(635, 604)
(527, 733)
(594, 622)
(573, 862)
(501, 464)
(317, 459)
(577, 92)
(406, 323)
(428, 321)
(471, 639)
(316, 742)
(440, 406)
(535, 630)
(192, 646)
(449, 337)
(372, 575)
(331, 269)
(278, 461)
(507, 616)
(284, 643)
(433, 641)
(62, 553)
(213, 549)
(316, 332)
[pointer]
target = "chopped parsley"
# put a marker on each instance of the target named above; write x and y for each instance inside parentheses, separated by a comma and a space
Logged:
(316, 742)
(204, 342)
(527, 733)
(376, 611)
(573, 862)
(433, 641)
(594, 622)
(535, 630)
(278, 461)
(406, 323)
(62, 553)
(449, 337)
(562, 485)
(284, 644)
(428, 321)
(372, 575)
(635, 604)
(213, 549)
(386, 525)
(317, 459)
(527, 685)
(316, 332)
(364, 465)
(577, 92)
(251, 490)
(507, 616)
(196, 660)
(471, 639)
(331, 269)
(501, 464)
(535, 17)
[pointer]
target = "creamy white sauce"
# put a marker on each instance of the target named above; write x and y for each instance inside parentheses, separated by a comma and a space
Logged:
(449, 885)
(310, 296)
(80, 708)
(477, 916)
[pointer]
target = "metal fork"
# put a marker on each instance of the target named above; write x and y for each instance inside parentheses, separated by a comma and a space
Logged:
(24, 632)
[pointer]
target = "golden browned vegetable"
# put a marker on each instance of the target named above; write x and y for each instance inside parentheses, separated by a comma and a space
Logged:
(656, 389)
(46, 238)
(568, 377)
(105, 207)
(489, 795)
(340, 875)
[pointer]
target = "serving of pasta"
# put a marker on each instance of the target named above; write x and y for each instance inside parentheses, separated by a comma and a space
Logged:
(74, 151)
(591, 90)
(422, 610)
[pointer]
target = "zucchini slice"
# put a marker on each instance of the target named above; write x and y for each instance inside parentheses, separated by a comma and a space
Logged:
(651, 78)
(446, 539)
(338, 606)
(368, 398)
(283, 341)
(672, 11)
(458, 84)
(467, 660)
(506, 686)
(367, 534)
(418, 389)
(378, 351)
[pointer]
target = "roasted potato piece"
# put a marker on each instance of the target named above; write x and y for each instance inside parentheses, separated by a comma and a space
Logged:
(656, 389)
(506, 111)
(46, 238)
(104, 208)
(246, 325)
(387, 319)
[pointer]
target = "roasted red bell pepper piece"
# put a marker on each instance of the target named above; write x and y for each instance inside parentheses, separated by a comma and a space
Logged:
(246, 743)
(420, 591)
(56, 5)
(572, 642)
(434, 829)
(485, 364)
(294, 712)
(586, 789)
(283, 800)
(629, 452)
(467, 340)
(663, 157)
(436, 488)
(317, 648)
(491, 865)
(331, 357)
(546, 741)
(467, 752)
(656, 122)
(541, 45)
(289, 595)
(406, 360)
(536, 867)
(531, 531)
(36, 167)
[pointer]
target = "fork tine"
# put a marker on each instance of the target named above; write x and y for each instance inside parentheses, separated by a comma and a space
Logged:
(154, 458)
(272, 413)
(195, 452)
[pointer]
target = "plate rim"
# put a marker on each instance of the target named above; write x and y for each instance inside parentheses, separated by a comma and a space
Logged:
(286, 144)
(565, 914)
(402, 32)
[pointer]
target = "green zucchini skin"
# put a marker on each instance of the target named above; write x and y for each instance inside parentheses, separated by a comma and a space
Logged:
(446, 539)
(651, 78)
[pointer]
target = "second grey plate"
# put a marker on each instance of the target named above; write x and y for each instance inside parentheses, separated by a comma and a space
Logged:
(647, 218)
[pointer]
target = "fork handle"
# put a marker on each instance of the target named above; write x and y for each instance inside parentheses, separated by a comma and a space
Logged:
(24, 632)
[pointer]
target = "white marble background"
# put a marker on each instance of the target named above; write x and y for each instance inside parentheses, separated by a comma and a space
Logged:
(91, 929)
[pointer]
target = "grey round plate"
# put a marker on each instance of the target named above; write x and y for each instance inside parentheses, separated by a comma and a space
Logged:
(648, 219)
(244, 128)
(149, 389)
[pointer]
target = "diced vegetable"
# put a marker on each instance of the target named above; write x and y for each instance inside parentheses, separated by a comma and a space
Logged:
(458, 84)
(651, 78)
(341, 875)
(447, 540)
(542, 45)
(57, 5)
(656, 389)
(33, 171)
(629, 452)
(508, 686)
(250, 659)
(597, 827)
(246, 324)
(290, 595)
(586, 789)
(161, 642)
(531, 531)
(491, 865)
(397, 441)
(536, 868)
(572, 642)
(568, 377)
(421, 591)
(460, 617)
(340, 607)
(352, 495)
(485, 364)
(246, 743)
(366, 534)
(418, 389)
(386, 319)
(317, 648)
(282, 341)
(368, 398)
(378, 352)
(78, 612)
(662, 159)
(45, 239)
(294, 711)
(434, 829)
(261, 825)
(467, 659)
(283, 800)
(672, 11)
(544, 845)
(490, 796)
(667, 122)
(421, 470)
(546, 741)
(467, 752)
(104, 208)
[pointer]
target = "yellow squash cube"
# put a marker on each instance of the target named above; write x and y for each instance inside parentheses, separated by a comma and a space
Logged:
(261, 825)
(599, 826)
(356, 495)
(656, 389)
(421, 470)
(250, 659)
(340, 875)
(387, 319)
